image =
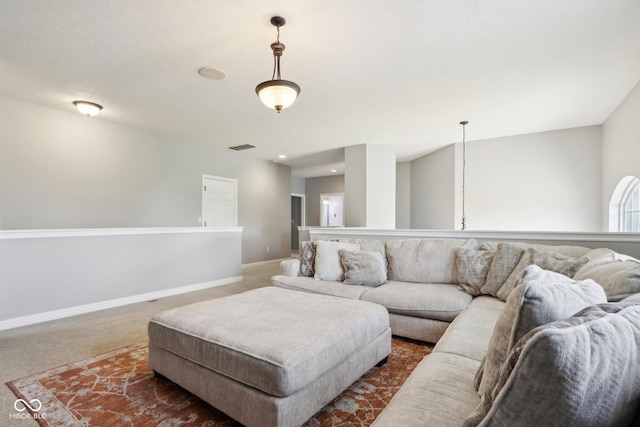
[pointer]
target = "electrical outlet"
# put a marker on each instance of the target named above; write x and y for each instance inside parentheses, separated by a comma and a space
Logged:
(199, 220)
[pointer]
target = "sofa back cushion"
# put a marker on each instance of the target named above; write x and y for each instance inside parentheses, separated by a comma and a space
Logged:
(570, 251)
(425, 260)
(618, 274)
(580, 371)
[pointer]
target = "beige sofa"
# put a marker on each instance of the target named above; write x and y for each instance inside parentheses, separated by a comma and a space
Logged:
(427, 300)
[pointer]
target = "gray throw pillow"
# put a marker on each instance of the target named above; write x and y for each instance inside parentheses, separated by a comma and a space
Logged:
(365, 268)
(618, 274)
(552, 261)
(328, 265)
(542, 297)
(473, 266)
(307, 255)
(505, 261)
(581, 371)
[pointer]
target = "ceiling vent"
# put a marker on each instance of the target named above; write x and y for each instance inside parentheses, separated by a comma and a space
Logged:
(242, 147)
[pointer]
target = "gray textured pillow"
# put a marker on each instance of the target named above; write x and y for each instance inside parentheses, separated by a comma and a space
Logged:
(570, 251)
(618, 275)
(307, 255)
(425, 260)
(547, 261)
(581, 371)
(328, 265)
(365, 268)
(505, 261)
(372, 245)
(542, 297)
(473, 266)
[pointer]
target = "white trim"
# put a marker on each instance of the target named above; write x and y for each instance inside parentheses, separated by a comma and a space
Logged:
(235, 195)
(87, 308)
(262, 263)
(90, 232)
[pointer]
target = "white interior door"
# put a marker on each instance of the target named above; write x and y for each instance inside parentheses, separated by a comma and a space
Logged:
(219, 201)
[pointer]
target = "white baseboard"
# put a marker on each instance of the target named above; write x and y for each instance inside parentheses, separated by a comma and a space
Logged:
(261, 263)
(102, 305)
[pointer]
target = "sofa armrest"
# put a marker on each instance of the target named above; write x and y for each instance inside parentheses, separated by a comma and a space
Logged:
(290, 267)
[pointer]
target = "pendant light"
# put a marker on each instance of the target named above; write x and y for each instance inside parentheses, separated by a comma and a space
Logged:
(464, 164)
(277, 93)
(88, 108)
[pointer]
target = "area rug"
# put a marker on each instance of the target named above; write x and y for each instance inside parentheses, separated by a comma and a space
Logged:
(119, 389)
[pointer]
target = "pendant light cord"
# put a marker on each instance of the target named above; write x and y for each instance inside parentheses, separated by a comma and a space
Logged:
(464, 166)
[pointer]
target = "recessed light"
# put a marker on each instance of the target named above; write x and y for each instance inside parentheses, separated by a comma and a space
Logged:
(333, 171)
(282, 156)
(212, 73)
(87, 108)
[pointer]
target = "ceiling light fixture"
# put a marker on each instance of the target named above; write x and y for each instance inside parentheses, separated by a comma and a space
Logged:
(282, 156)
(277, 93)
(464, 164)
(87, 108)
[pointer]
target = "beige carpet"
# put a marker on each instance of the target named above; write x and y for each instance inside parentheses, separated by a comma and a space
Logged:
(118, 388)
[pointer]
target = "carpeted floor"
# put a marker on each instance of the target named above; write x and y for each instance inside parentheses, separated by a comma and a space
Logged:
(118, 388)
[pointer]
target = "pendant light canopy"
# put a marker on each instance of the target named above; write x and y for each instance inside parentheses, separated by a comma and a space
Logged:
(277, 93)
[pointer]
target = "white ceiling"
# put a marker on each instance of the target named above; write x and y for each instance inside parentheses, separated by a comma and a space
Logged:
(402, 73)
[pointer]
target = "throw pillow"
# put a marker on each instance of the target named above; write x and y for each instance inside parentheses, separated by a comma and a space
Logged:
(365, 268)
(473, 266)
(546, 260)
(580, 371)
(328, 265)
(307, 255)
(633, 298)
(570, 251)
(542, 297)
(372, 245)
(425, 260)
(505, 261)
(619, 276)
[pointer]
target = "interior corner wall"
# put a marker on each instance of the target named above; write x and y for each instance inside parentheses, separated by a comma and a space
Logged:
(298, 184)
(314, 187)
(433, 190)
(620, 148)
(403, 195)
(61, 170)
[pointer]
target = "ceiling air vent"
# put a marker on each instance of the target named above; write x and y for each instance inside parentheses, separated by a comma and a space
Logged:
(242, 147)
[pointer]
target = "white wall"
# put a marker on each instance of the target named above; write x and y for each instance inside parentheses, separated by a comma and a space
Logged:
(403, 195)
(549, 181)
(433, 190)
(620, 147)
(65, 170)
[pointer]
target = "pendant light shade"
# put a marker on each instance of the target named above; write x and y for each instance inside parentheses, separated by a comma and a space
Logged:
(277, 93)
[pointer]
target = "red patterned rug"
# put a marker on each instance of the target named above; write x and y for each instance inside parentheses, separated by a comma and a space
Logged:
(119, 389)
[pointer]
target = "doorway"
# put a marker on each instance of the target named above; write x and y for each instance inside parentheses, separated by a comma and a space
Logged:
(297, 219)
(331, 210)
(219, 201)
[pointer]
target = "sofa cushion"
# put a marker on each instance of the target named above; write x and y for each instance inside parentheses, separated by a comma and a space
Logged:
(570, 251)
(425, 260)
(309, 284)
(619, 275)
(552, 261)
(426, 300)
(365, 268)
(504, 262)
(470, 332)
(581, 371)
(542, 297)
(472, 267)
(439, 393)
(328, 265)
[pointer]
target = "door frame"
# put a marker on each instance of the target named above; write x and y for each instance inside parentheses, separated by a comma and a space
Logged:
(235, 195)
(303, 203)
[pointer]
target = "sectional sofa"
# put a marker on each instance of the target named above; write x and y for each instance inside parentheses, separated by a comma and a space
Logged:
(524, 334)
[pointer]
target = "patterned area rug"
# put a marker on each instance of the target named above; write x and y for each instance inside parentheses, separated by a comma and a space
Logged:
(119, 389)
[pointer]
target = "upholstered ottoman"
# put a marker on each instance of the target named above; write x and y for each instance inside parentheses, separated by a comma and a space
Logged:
(271, 356)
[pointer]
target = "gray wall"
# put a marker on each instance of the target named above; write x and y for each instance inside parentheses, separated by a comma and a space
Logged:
(298, 184)
(549, 181)
(403, 195)
(433, 190)
(317, 186)
(620, 147)
(65, 170)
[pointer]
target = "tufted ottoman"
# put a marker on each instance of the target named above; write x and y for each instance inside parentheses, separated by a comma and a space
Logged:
(271, 356)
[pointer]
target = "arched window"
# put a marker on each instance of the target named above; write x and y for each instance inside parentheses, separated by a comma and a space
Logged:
(624, 207)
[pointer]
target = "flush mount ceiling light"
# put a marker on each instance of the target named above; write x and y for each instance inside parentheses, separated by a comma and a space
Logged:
(277, 93)
(87, 108)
